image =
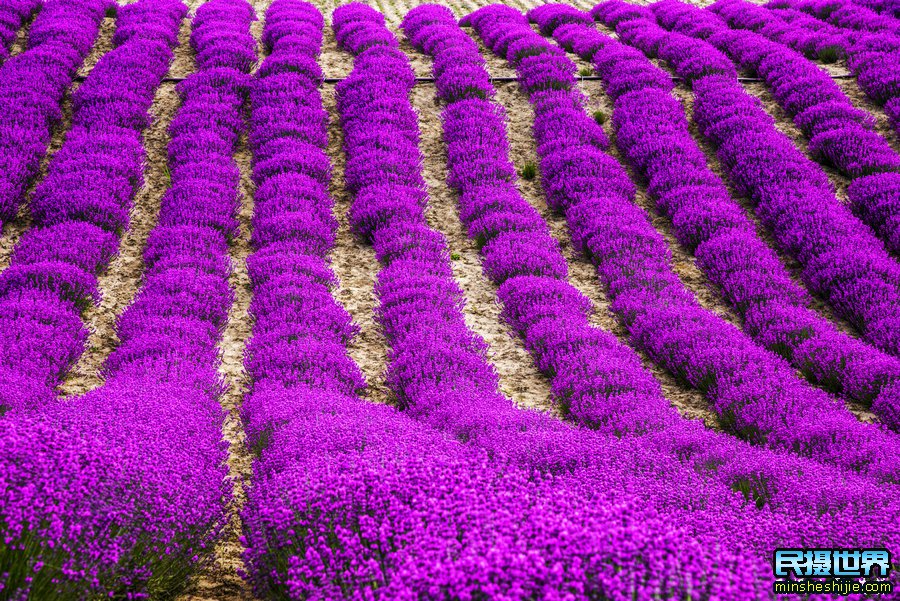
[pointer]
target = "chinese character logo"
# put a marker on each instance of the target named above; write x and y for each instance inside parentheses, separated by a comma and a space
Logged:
(832, 563)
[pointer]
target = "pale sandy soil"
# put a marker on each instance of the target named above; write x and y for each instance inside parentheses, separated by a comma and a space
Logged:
(13, 230)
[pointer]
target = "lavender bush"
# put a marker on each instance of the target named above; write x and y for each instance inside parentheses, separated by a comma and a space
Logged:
(652, 131)
(662, 316)
(119, 492)
(81, 207)
(599, 382)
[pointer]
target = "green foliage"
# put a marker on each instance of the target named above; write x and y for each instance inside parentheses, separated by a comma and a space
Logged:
(829, 54)
(529, 171)
(585, 71)
(600, 117)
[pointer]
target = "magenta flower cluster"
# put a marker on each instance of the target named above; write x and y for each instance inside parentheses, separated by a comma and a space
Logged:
(756, 393)
(102, 495)
(652, 132)
(616, 396)
(32, 85)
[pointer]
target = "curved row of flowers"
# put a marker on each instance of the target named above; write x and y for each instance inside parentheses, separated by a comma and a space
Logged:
(32, 85)
(756, 393)
(440, 375)
(13, 16)
(102, 494)
(81, 208)
(838, 133)
(599, 382)
(869, 41)
(652, 132)
(842, 260)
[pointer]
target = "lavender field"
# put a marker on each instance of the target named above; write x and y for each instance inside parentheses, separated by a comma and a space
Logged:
(401, 301)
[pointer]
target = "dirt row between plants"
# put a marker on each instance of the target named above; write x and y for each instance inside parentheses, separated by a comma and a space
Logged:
(219, 577)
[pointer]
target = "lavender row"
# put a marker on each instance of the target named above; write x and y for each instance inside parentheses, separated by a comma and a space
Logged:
(14, 15)
(652, 132)
(174, 323)
(838, 133)
(594, 192)
(32, 85)
(841, 258)
(168, 335)
(869, 41)
(81, 207)
(437, 366)
(103, 497)
(427, 498)
(303, 413)
(599, 382)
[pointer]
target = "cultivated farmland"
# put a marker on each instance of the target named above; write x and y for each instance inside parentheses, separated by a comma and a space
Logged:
(407, 301)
